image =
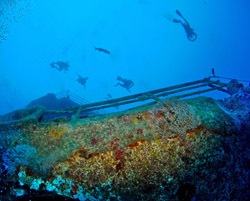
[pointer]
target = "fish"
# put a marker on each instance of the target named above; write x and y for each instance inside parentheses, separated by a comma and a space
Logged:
(102, 50)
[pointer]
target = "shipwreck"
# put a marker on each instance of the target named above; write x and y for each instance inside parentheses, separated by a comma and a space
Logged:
(169, 148)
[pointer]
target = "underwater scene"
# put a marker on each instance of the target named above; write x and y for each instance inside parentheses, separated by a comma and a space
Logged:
(127, 100)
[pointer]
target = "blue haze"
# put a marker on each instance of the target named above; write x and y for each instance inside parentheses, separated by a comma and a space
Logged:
(145, 45)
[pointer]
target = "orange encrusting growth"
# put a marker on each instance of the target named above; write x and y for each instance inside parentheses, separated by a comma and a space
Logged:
(136, 144)
(199, 129)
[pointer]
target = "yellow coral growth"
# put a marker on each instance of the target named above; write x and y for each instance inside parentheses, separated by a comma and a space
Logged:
(56, 132)
(135, 120)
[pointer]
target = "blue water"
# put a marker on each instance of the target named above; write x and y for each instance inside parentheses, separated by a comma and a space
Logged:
(146, 46)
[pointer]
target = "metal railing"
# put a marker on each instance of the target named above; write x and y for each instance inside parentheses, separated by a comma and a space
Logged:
(72, 96)
(200, 86)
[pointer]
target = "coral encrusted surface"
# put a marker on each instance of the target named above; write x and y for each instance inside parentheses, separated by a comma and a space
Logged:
(171, 150)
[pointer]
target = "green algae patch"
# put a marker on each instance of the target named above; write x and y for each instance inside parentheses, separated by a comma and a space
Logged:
(212, 116)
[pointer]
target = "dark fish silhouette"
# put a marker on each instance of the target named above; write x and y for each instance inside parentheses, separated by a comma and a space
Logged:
(102, 50)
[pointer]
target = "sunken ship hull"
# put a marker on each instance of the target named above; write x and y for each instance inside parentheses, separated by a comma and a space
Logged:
(191, 149)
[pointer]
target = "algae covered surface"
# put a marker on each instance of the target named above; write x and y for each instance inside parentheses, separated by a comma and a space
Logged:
(171, 150)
